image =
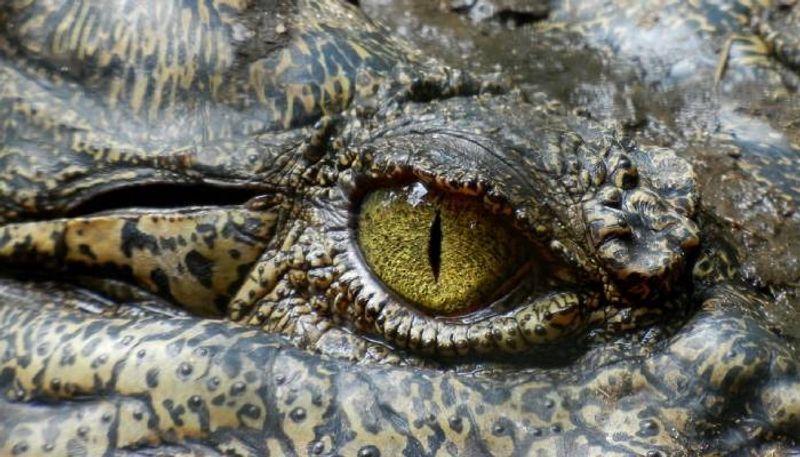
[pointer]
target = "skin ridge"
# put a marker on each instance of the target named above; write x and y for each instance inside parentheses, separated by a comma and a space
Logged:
(285, 383)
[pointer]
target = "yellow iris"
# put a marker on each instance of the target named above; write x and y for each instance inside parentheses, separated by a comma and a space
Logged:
(443, 252)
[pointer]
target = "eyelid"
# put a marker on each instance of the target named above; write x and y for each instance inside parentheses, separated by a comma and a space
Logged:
(538, 321)
(515, 323)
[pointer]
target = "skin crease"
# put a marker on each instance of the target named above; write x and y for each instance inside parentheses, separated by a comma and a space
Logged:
(644, 340)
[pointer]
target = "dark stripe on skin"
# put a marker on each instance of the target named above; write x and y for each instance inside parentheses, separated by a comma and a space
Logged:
(200, 267)
(160, 279)
(133, 238)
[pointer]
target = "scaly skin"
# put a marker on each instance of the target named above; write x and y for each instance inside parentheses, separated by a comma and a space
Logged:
(210, 386)
(310, 106)
(686, 37)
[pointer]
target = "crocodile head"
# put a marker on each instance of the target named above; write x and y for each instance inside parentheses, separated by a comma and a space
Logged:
(357, 251)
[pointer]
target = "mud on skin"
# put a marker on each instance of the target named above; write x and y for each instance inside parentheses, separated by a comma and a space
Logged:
(247, 316)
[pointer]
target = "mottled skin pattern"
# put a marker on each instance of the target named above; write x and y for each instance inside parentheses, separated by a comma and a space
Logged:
(733, 42)
(687, 26)
(196, 258)
(209, 386)
(647, 344)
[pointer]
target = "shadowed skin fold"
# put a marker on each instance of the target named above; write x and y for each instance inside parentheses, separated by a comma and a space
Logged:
(265, 325)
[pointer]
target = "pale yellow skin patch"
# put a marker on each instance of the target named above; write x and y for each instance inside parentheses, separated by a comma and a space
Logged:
(190, 257)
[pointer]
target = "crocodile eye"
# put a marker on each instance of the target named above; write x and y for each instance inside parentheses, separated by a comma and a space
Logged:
(445, 253)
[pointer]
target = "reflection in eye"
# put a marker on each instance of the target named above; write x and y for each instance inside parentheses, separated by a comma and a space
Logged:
(445, 253)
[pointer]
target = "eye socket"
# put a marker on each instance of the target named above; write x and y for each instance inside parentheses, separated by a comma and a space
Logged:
(445, 253)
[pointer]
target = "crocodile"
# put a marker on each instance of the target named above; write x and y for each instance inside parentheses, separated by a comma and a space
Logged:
(273, 228)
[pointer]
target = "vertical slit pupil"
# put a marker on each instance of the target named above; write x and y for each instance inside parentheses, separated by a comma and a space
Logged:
(435, 246)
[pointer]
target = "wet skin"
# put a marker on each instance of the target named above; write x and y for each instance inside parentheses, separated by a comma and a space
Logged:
(646, 70)
(261, 323)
